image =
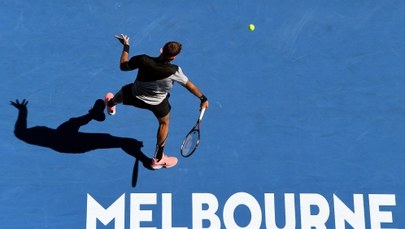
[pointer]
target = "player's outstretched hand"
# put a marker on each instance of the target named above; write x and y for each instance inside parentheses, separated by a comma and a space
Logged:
(124, 39)
(20, 106)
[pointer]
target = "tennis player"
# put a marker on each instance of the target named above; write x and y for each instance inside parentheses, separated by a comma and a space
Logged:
(151, 91)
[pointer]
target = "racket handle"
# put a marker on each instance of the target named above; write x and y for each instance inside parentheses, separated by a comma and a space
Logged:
(201, 114)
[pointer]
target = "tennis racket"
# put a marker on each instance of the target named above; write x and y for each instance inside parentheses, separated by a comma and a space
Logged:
(192, 139)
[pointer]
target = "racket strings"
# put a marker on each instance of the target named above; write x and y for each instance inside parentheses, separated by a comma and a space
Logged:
(190, 143)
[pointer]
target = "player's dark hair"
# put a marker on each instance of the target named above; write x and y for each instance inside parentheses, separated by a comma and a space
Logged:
(171, 49)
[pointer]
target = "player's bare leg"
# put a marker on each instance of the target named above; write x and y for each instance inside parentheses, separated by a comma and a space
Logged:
(163, 131)
(160, 159)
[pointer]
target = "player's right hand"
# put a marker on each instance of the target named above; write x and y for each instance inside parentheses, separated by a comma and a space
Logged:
(204, 105)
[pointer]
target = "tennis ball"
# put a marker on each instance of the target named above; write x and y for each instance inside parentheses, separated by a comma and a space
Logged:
(251, 27)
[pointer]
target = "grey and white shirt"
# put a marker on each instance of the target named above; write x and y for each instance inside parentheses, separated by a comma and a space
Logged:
(155, 78)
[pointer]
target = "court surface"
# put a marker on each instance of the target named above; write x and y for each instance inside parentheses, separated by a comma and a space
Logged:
(310, 104)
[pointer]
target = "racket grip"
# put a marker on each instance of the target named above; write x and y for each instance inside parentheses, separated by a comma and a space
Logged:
(201, 114)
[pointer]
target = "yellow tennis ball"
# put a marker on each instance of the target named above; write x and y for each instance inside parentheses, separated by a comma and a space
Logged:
(251, 27)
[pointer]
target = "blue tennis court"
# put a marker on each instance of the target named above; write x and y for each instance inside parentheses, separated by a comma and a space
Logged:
(305, 128)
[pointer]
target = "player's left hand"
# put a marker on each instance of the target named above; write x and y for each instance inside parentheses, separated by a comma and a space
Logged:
(124, 39)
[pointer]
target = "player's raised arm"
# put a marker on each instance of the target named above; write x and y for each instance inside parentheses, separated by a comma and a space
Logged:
(124, 39)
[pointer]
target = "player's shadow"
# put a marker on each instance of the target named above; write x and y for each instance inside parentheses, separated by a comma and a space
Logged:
(67, 139)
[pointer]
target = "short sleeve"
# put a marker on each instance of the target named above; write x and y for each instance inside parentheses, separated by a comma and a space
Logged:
(179, 77)
(135, 62)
